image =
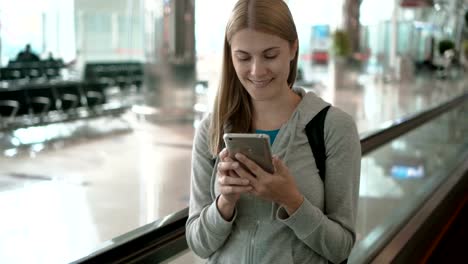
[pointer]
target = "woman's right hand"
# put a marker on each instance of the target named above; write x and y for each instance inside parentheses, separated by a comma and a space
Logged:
(231, 186)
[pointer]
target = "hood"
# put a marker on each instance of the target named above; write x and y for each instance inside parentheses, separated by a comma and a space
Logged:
(309, 106)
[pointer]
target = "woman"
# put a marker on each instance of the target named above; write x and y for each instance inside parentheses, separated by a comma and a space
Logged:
(251, 216)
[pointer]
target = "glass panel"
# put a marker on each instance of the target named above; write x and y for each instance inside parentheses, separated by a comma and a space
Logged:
(399, 176)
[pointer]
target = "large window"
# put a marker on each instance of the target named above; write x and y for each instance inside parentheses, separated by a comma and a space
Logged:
(47, 25)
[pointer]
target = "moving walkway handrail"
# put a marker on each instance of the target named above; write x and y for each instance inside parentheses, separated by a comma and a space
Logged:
(166, 237)
(371, 141)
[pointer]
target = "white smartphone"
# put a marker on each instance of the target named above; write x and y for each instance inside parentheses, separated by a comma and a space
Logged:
(254, 146)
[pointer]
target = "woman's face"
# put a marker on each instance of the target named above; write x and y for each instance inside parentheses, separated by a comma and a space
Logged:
(262, 63)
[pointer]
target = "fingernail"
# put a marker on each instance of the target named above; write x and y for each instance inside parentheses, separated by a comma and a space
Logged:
(238, 155)
(245, 181)
(235, 165)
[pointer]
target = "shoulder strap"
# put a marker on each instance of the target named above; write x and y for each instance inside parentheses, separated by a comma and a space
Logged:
(315, 134)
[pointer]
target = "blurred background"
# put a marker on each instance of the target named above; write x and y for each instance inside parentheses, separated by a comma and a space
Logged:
(99, 101)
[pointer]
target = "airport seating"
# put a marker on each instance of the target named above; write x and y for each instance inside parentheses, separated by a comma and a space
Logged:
(31, 70)
(32, 104)
(122, 74)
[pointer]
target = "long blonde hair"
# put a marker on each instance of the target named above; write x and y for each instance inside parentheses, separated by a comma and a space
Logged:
(232, 102)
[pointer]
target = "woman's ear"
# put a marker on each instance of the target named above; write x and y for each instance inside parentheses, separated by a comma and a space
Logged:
(293, 50)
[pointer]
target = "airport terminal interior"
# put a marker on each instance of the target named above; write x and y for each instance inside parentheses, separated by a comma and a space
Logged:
(100, 100)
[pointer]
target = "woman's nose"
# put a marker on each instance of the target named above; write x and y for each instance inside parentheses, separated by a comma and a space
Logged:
(258, 68)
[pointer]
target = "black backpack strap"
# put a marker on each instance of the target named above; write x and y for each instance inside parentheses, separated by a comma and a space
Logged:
(315, 134)
(315, 131)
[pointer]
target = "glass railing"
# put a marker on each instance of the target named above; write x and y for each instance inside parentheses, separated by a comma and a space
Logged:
(396, 177)
(399, 176)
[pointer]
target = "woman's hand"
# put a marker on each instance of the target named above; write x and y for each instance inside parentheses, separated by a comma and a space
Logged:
(231, 186)
(279, 187)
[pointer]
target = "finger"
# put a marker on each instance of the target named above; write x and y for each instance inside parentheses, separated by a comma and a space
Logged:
(245, 174)
(226, 180)
(226, 165)
(252, 166)
(231, 189)
(279, 165)
(229, 159)
(223, 154)
(233, 173)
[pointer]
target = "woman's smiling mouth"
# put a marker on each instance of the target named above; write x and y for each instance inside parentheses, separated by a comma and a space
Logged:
(260, 83)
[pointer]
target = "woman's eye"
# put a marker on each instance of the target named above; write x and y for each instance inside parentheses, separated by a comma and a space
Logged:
(243, 58)
(270, 57)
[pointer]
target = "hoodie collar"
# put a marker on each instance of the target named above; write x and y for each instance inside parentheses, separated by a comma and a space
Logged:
(309, 106)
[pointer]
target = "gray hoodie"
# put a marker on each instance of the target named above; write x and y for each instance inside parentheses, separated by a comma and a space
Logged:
(261, 231)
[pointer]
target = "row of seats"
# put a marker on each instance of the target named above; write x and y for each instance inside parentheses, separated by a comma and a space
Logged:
(31, 70)
(36, 104)
(122, 74)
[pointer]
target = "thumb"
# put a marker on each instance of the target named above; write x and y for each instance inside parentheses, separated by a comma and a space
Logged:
(223, 154)
(278, 164)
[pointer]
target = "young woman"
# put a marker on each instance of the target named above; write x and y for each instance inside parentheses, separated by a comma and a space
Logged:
(251, 216)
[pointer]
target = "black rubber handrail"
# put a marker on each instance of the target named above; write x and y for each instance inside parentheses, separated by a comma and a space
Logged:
(373, 140)
(165, 238)
(144, 242)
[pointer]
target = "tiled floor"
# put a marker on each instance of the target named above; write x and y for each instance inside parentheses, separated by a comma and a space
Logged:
(86, 192)
(62, 202)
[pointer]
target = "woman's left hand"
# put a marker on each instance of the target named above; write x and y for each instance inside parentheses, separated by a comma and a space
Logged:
(279, 187)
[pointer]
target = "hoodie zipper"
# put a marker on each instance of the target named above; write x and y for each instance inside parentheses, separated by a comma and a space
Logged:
(250, 255)
(252, 242)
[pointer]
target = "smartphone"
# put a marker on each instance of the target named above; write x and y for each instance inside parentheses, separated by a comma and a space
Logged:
(256, 147)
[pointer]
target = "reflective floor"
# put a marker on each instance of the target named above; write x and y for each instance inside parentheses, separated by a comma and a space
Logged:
(62, 200)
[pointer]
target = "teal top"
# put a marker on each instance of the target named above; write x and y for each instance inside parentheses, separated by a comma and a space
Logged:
(271, 133)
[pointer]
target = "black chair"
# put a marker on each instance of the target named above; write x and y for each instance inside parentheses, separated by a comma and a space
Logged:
(101, 74)
(42, 100)
(71, 97)
(95, 94)
(137, 80)
(137, 74)
(52, 72)
(34, 70)
(8, 74)
(13, 104)
(122, 74)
